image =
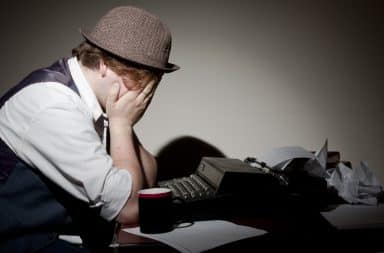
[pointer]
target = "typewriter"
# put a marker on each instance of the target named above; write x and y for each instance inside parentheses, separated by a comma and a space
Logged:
(224, 182)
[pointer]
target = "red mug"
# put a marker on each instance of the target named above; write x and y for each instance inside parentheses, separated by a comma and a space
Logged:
(155, 210)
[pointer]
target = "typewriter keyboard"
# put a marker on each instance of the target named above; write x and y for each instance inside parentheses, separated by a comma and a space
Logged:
(189, 189)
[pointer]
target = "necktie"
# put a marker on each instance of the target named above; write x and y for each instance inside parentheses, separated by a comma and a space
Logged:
(101, 127)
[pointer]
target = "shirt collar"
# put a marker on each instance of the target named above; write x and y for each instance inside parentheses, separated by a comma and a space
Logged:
(85, 90)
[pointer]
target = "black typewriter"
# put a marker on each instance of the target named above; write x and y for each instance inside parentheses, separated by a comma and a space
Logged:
(217, 177)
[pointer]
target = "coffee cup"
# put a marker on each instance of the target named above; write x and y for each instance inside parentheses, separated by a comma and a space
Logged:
(155, 210)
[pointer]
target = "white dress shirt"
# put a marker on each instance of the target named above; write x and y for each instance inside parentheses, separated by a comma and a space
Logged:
(52, 129)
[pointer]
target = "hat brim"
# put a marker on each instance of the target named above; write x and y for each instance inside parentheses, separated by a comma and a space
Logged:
(170, 67)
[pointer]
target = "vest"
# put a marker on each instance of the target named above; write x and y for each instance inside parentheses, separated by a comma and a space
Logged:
(33, 210)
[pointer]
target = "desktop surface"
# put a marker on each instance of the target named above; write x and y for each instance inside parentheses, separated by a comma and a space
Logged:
(295, 216)
(299, 230)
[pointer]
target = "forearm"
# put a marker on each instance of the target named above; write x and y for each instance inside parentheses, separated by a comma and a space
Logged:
(149, 166)
(125, 156)
(148, 163)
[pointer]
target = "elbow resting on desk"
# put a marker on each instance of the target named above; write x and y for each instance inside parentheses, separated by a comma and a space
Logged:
(129, 214)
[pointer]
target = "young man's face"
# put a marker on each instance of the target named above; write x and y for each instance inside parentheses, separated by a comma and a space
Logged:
(128, 81)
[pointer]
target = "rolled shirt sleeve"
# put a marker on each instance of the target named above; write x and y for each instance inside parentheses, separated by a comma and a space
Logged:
(57, 136)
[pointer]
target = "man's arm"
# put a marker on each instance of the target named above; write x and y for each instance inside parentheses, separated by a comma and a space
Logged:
(148, 163)
(123, 113)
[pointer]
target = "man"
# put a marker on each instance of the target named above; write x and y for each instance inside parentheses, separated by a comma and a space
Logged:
(68, 151)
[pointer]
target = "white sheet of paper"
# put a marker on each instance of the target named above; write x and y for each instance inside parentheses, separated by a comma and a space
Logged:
(74, 239)
(202, 235)
(279, 155)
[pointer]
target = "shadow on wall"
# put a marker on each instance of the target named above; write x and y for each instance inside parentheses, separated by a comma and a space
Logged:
(181, 156)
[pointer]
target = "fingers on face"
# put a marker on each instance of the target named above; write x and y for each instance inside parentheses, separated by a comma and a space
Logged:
(113, 93)
(148, 90)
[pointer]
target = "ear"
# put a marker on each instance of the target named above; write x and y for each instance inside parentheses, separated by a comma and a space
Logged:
(102, 68)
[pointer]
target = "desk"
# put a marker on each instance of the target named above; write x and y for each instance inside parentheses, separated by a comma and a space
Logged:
(300, 231)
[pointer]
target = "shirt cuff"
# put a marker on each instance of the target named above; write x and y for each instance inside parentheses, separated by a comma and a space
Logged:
(117, 189)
